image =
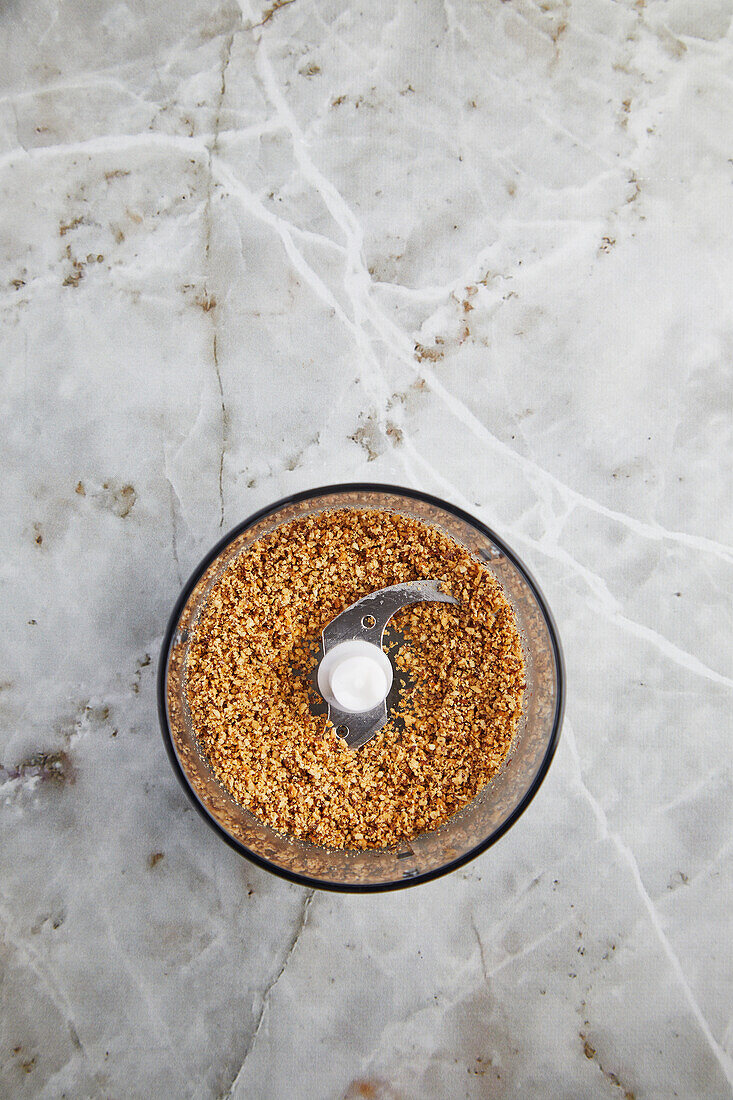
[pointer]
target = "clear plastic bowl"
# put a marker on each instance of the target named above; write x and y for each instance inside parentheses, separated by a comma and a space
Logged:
(469, 832)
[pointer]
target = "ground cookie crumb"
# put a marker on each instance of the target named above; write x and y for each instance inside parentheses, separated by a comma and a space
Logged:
(249, 682)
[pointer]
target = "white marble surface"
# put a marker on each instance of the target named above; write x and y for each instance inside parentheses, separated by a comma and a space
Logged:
(236, 247)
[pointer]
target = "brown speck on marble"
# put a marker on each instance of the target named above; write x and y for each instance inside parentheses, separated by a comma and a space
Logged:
(118, 500)
(66, 227)
(75, 277)
(271, 11)
(310, 70)
(125, 501)
(395, 434)
(637, 189)
(206, 301)
(154, 859)
(370, 1088)
(432, 355)
(592, 1055)
(54, 767)
(367, 435)
(80, 489)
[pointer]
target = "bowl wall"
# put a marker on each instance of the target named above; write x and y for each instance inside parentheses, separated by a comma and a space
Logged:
(469, 831)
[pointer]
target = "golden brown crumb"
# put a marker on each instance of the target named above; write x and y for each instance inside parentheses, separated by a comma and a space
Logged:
(250, 668)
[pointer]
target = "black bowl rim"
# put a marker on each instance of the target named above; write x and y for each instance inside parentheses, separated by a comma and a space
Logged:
(321, 884)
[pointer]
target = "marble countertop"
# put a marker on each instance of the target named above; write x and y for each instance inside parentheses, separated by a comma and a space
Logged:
(474, 247)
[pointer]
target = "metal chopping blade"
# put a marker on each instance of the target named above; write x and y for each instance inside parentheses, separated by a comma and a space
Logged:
(365, 621)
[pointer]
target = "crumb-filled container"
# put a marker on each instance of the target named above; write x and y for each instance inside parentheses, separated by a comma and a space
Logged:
(199, 730)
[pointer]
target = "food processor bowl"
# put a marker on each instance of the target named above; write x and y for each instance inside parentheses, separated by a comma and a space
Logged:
(472, 829)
